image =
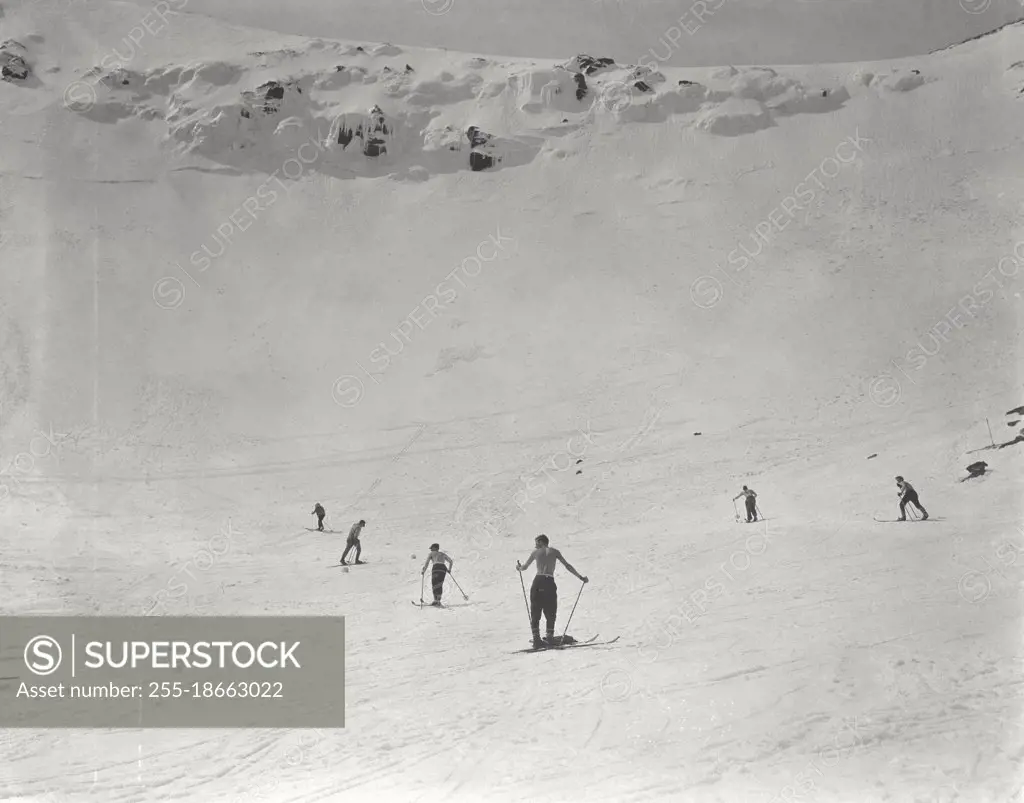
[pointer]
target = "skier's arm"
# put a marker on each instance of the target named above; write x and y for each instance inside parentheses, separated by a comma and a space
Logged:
(522, 567)
(427, 563)
(565, 563)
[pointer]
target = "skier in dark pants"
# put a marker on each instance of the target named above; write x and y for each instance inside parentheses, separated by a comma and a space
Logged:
(438, 573)
(353, 541)
(750, 502)
(320, 513)
(544, 592)
(907, 494)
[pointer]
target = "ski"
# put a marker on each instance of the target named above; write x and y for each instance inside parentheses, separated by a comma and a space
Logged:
(427, 605)
(339, 564)
(902, 521)
(588, 643)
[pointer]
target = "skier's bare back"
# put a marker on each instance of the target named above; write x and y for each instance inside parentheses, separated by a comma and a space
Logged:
(547, 558)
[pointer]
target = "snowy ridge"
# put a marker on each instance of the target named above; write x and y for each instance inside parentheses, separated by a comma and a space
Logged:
(372, 111)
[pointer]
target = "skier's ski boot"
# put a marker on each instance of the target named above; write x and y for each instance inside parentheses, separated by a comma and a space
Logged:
(343, 563)
(924, 517)
(360, 562)
(435, 604)
(902, 518)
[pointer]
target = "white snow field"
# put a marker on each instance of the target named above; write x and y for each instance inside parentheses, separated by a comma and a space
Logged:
(223, 300)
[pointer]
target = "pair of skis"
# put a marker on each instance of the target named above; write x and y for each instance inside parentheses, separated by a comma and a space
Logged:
(593, 642)
(896, 521)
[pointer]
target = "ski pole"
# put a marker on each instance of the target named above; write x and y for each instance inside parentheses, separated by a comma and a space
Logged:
(760, 515)
(523, 584)
(735, 510)
(423, 579)
(464, 595)
(577, 602)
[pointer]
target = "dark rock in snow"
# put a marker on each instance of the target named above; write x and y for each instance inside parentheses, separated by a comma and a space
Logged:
(687, 83)
(477, 137)
(409, 68)
(589, 65)
(581, 86)
(640, 85)
(1012, 423)
(1016, 411)
(872, 455)
(268, 97)
(977, 469)
(371, 129)
(378, 128)
(480, 161)
(13, 66)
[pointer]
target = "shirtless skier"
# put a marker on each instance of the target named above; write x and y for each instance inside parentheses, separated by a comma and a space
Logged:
(544, 592)
(438, 573)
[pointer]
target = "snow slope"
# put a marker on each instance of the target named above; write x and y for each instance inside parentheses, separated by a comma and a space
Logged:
(224, 299)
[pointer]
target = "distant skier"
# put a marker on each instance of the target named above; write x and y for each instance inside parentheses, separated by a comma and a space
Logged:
(319, 512)
(906, 493)
(353, 541)
(438, 573)
(750, 502)
(544, 592)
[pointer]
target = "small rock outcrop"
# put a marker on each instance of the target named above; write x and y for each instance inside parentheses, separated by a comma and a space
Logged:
(13, 64)
(372, 131)
(977, 469)
(581, 86)
(588, 65)
(269, 97)
(479, 143)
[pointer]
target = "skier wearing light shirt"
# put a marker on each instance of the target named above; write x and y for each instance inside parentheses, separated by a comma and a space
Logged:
(353, 541)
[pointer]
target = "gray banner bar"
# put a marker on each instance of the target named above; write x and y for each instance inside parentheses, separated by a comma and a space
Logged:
(172, 672)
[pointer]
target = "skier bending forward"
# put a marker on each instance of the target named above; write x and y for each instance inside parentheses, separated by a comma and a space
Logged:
(905, 491)
(544, 592)
(439, 572)
(750, 502)
(353, 542)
